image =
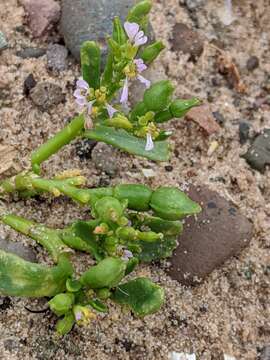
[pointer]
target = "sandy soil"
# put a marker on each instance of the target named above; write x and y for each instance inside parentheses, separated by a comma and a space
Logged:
(229, 312)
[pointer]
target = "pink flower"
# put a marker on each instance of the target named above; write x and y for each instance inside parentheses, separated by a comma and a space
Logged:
(111, 110)
(149, 143)
(124, 96)
(127, 255)
(81, 93)
(134, 34)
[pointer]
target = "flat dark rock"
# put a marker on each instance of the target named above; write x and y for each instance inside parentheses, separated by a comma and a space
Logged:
(258, 155)
(218, 233)
(18, 249)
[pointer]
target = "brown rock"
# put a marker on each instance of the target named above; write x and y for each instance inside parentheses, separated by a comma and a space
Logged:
(8, 156)
(41, 15)
(203, 116)
(46, 95)
(218, 233)
(187, 41)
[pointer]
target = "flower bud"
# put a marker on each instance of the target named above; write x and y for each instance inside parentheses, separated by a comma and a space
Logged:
(108, 209)
(151, 52)
(108, 273)
(64, 326)
(172, 204)
(158, 96)
(61, 303)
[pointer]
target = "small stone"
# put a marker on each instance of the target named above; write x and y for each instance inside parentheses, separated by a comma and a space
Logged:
(203, 116)
(253, 63)
(194, 4)
(244, 129)
(47, 94)
(31, 52)
(8, 156)
(5, 303)
(104, 158)
(216, 234)
(18, 249)
(57, 57)
(29, 84)
(187, 41)
(41, 15)
(168, 168)
(84, 147)
(219, 117)
(148, 173)
(3, 41)
(265, 354)
(258, 155)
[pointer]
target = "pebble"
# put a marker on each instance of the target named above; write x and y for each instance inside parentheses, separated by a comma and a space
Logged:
(253, 63)
(31, 52)
(219, 117)
(187, 41)
(46, 95)
(244, 129)
(90, 20)
(18, 249)
(258, 155)
(29, 84)
(5, 303)
(148, 173)
(84, 147)
(265, 354)
(57, 57)
(194, 4)
(203, 116)
(105, 159)
(42, 15)
(3, 41)
(218, 233)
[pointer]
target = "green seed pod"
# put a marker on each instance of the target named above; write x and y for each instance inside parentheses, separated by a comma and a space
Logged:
(138, 12)
(179, 108)
(107, 274)
(163, 116)
(108, 209)
(119, 122)
(23, 278)
(138, 196)
(150, 236)
(65, 325)
(90, 63)
(61, 303)
(172, 204)
(131, 264)
(151, 52)
(158, 96)
(127, 234)
(139, 110)
(103, 294)
(119, 34)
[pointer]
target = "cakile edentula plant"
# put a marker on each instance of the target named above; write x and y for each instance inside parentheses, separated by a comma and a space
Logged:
(128, 224)
(102, 97)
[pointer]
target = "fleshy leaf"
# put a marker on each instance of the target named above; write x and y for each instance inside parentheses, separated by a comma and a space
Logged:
(141, 295)
(90, 63)
(98, 305)
(129, 143)
(157, 250)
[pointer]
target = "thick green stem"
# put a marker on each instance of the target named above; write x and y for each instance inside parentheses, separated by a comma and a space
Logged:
(46, 237)
(62, 138)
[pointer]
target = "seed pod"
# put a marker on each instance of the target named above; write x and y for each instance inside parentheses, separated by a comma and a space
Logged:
(151, 52)
(127, 233)
(163, 116)
(179, 108)
(138, 196)
(107, 274)
(23, 278)
(139, 110)
(65, 325)
(61, 303)
(108, 209)
(90, 63)
(172, 204)
(158, 96)
(119, 34)
(138, 12)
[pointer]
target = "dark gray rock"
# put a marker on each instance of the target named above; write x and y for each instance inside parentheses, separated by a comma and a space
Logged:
(219, 117)
(105, 159)
(3, 41)
(265, 354)
(57, 57)
(194, 4)
(84, 147)
(253, 63)
(258, 155)
(211, 238)
(46, 95)
(83, 20)
(187, 41)
(244, 129)
(31, 52)
(18, 249)
(29, 84)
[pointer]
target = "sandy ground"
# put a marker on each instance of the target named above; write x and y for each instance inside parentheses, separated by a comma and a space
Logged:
(229, 312)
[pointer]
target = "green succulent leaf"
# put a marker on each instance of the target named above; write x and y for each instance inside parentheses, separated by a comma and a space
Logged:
(179, 107)
(157, 250)
(98, 306)
(141, 295)
(61, 303)
(138, 13)
(158, 96)
(151, 52)
(129, 143)
(138, 195)
(90, 63)
(65, 325)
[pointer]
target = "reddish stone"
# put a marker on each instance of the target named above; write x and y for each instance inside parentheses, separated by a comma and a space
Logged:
(203, 116)
(208, 240)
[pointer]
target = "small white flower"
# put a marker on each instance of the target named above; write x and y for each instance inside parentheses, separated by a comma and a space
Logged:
(134, 34)
(149, 143)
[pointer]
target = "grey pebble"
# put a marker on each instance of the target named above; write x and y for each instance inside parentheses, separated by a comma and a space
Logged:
(244, 129)
(31, 52)
(46, 95)
(18, 249)
(3, 41)
(104, 158)
(258, 155)
(57, 57)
